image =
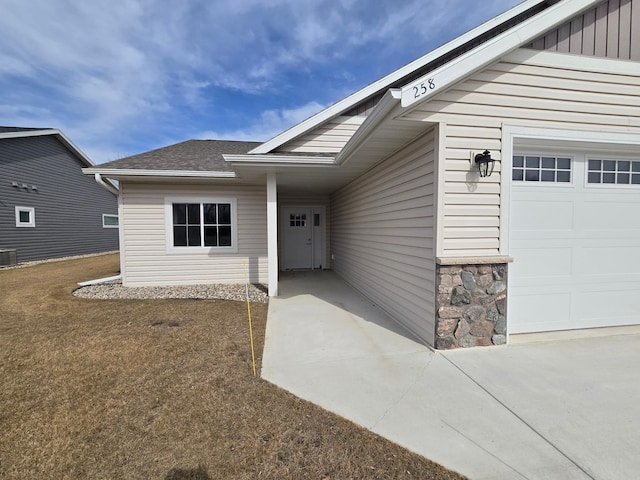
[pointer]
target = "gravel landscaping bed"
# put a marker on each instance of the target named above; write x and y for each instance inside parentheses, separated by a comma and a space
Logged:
(115, 290)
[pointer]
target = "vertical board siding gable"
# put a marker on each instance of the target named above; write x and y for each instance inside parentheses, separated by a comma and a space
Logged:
(382, 236)
(144, 238)
(612, 29)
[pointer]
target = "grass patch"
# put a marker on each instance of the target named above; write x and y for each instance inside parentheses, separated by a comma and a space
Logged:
(159, 389)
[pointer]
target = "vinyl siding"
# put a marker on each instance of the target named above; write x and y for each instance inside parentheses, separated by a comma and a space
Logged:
(611, 30)
(514, 93)
(382, 236)
(68, 205)
(329, 137)
(144, 238)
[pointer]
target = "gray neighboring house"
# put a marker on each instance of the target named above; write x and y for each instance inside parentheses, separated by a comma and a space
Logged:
(48, 208)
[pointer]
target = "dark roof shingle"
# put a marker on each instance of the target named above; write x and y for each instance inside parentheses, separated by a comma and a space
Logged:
(191, 155)
(19, 129)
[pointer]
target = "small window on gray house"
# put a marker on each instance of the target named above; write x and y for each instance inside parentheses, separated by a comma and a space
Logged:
(109, 221)
(25, 217)
(531, 168)
(613, 172)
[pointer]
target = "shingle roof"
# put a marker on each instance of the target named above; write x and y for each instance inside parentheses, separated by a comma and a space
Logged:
(19, 129)
(191, 155)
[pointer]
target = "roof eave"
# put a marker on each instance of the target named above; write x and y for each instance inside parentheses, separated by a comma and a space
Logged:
(132, 172)
(277, 160)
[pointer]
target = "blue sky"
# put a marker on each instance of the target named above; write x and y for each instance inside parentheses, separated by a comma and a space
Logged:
(120, 77)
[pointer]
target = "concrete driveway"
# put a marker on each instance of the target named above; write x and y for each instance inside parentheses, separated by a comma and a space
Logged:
(550, 409)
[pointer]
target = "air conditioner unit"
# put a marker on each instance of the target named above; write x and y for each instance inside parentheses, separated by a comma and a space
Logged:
(7, 257)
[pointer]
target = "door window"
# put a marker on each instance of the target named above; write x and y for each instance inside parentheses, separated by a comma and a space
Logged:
(297, 219)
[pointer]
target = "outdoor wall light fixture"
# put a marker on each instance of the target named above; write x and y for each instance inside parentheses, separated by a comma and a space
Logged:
(485, 163)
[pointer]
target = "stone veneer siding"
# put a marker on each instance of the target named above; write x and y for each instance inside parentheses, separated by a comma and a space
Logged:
(471, 305)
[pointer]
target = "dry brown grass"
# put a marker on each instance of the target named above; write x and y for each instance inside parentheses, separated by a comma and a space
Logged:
(158, 389)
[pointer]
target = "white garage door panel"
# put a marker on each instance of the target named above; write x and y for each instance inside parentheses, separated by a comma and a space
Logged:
(558, 264)
(607, 261)
(576, 251)
(610, 216)
(533, 310)
(531, 216)
(597, 307)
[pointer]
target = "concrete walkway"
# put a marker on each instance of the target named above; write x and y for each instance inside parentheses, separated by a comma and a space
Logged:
(555, 409)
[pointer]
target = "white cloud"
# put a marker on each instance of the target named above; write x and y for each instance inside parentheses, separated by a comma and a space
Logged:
(270, 124)
(120, 75)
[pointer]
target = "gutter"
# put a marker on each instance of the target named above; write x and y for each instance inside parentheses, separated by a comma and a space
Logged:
(100, 280)
(126, 172)
(273, 160)
(109, 187)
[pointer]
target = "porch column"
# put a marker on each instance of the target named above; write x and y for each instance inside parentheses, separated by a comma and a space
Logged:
(272, 233)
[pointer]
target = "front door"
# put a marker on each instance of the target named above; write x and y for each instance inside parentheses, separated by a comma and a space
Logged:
(301, 238)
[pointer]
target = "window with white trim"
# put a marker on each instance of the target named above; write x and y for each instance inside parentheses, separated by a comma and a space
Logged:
(109, 220)
(205, 225)
(613, 172)
(534, 168)
(25, 217)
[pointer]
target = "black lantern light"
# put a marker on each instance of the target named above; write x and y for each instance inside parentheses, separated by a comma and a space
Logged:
(485, 163)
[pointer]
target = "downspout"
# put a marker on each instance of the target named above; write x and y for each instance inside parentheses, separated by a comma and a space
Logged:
(99, 179)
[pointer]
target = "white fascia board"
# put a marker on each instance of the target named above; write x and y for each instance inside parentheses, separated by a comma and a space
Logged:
(355, 98)
(488, 52)
(274, 160)
(131, 172)
(381, 112)
(51, 131)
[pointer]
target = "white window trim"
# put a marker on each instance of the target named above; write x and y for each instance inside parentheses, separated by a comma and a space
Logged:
(110, 215)
(168, 221)
(32, 217)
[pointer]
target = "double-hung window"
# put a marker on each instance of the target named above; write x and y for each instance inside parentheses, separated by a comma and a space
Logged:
(201, 225)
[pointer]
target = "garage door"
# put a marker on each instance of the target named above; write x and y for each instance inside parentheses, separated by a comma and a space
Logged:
(575, 240)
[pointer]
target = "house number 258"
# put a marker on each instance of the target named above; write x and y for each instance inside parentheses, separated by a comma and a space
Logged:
(423, 88)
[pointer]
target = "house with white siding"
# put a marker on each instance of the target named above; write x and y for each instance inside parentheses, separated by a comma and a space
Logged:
(490, 187)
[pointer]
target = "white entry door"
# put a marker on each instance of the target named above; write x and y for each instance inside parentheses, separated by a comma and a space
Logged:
(575, 241)
(301, 230)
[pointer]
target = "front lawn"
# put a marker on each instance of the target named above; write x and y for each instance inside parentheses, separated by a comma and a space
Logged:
(158, 389)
